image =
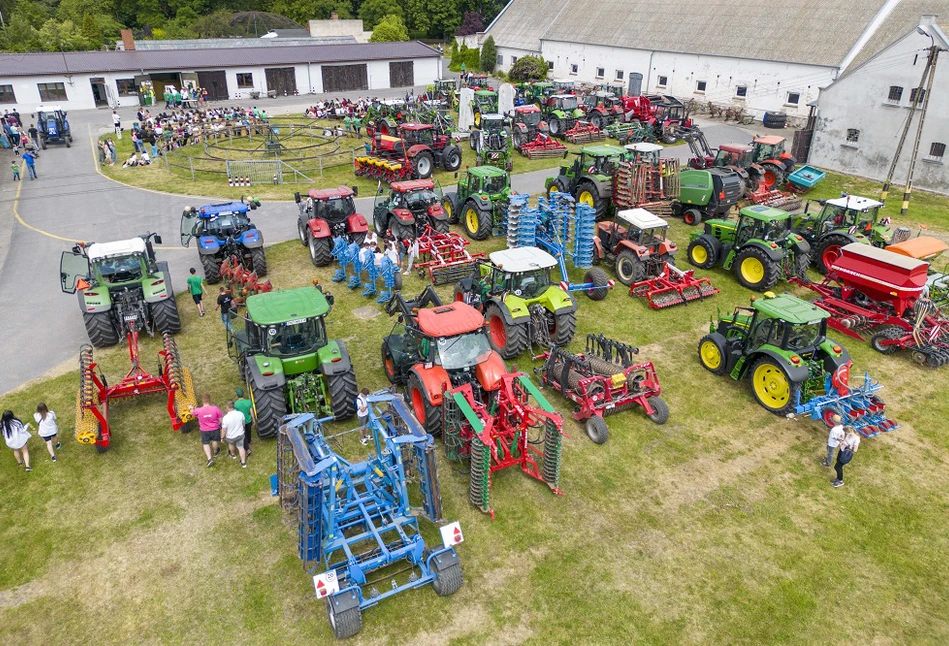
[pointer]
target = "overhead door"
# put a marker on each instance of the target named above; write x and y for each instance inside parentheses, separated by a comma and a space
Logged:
(215, 83)
(283, 80)
(402, 74)
(339, 78)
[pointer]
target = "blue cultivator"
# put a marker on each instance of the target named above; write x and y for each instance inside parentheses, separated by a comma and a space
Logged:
(355, 521)
(859, 407)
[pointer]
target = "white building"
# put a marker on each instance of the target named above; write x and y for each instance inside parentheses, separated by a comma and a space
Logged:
(862, 114)
(82, 80)
(764, 56)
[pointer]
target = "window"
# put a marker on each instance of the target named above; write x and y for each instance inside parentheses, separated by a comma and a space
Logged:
(600, 72)
(550, 65)
(741, 91)
(513, 59)
(126, 87)
(574, 68)
(794, 98)
(937, 151)
(500, 60)
(922, 95)
(853, 135)
(700, 86)
(620, 75)
(246, 79)
(896, 93)
(52, 91)
(6, 94)
(661, 81)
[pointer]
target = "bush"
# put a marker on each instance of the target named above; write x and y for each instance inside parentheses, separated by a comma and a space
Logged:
(470, 57)
(489, 55)
(528, 68)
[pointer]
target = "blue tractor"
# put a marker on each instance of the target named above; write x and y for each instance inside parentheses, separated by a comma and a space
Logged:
(224, 231)
(357, 528)
(53, 126)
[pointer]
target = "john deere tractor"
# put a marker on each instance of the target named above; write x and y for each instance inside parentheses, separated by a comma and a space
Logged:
(288, 363)
(223, 231)
(562, 113)
(484, 193)
(780, 344)
(589, 179)
(841, 221)
(118, 280)
(485, 102)
(760, 246)
(521, 303)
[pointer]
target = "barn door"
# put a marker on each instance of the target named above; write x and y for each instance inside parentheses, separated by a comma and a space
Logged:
(402, 74)
(635, 84)
(282, 80)
(215, 83)
(338, 78)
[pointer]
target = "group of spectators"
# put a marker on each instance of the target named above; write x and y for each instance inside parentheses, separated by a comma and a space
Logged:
(21, 139)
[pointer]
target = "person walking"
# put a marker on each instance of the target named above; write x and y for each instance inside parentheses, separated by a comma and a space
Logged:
(224, 302)
(233, 426)
(16, 171)
(34, 135)
(196, 288)
(16, 435)
(848, 447)
(362, 414)
(30, 158)
(833, 440)
(245, 406)
(47, 428)
(209, 425)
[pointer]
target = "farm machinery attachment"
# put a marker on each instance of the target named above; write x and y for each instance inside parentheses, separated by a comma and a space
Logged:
(532, 136)
(357, 528)
(242, 282)
(604, 380)
(584, 132)
(445, 258)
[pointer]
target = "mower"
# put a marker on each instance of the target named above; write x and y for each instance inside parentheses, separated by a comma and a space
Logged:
(224, 231)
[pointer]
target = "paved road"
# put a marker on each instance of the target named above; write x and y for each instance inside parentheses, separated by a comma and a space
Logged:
(71, 201)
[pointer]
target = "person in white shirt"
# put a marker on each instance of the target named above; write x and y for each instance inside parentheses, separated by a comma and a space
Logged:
(16, 435)
(233, 426)
(362, 413)
(372, 239)
(833, 440)
(848, 447)
(47, 428)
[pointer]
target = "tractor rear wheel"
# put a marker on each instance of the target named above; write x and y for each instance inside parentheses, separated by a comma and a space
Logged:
(597, 429)
(601, 283)
(509, 340)
(101, 331)
(477, 222)
(556, 127)
(259, 260)
(660, 413)
(772, 387)
(440, 226)
(269, 407)
(773, 177)
(345, 623)
(400, 230)
(423, 165)
(588, 194)
(343, 391)
(629, 268)
(712, 354)
(321, 251)
(212, 269)
(702, 254)
(692, 217)
(388, 364)
(447, 581)
(756, 270)
(165, 317)
(358, 238)
(564, 328)
(429, 415)
(828, 251)
(597, 120)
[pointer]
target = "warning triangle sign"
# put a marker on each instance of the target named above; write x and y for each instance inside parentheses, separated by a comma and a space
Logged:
(458, 534)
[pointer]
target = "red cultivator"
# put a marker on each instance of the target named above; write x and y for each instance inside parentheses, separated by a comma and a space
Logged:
(503, 435)
(774, 198)
(445, 257)
(543, 147)
(672, 286)
(246, 282)
(603, 381)
(584, 132)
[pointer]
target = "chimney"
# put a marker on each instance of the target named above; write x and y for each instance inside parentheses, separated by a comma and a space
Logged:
(128, 42)
(334, 16)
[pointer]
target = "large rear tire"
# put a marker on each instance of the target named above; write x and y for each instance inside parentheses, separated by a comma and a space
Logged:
(321, 251)
(165, 317)
(828, 251)
(509, 340)
(428, 415)
(212, 269)
(565, 327)
(101, 330)
(755, 270)
(343, 391)
(451, 159)
(269, 407)
(773, 176)
(259, 260)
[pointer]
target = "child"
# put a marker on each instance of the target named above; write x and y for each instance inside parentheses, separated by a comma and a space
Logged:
(16, 435)
(362, 413)
(46, 423)
(16, 171)
(196, 287)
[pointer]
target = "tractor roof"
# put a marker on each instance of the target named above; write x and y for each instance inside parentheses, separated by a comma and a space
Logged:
(924, 247)
(392, 102)
(769, 140)
(603, 151)
(643, 147)
(416, 126)
(486, 171)
(101, 250)
(490, 93)
(330, 193)
(286, 305)
(529, 108)
(211, 211)
(542, 84)
(854, 203)
(412, 185)
(522, 259)
(641, 219)
(735, 148)
(766, 213)
(48, 108)
(563, 96)
(449, 320)
(789, 308)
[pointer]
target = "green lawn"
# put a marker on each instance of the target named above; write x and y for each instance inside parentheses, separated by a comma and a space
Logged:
(717, 528)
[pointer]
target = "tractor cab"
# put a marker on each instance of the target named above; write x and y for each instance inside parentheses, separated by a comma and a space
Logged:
(52, 125)
(522, 271)
(409, 208)
(567, 103)
(479, 82)
(769, 147)
(762, 223)
(598, 160)
(486, 101)
(788, 324)
(493, 123)
(218, 221)
(646, 231)
(843, 213)
(334, 205)
(529, 115)
(114, 265)
(565, 86)
(737, 155)
(485, 180)
(644, 152)
(446, 85)
(418, 133)
(416, 195)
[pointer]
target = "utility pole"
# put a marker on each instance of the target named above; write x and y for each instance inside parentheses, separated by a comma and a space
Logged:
(919, 132)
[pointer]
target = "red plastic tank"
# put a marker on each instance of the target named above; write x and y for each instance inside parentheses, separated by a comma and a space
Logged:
(882, 275)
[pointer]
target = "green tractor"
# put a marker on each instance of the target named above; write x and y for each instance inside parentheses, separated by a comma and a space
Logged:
(484, 193)
(116, 281)
(520, 302)
(841, 221)
(562, 113)
(760, 246)
(707, 193)
(780, 343)
(485, 102)
(534, 93)
(589, 179)
(288, 363)
(444, 90)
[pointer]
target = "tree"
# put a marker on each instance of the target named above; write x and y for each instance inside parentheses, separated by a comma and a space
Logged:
(90, 30)
(19, 35)
(528, 68)
(390, 29)
(444, 17)
(489, 55)
(373, 11)
(54, 36)
(471, 24)
(417, 17)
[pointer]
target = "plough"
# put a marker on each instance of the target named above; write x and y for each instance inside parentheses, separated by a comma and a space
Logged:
(246, 282)
(583, 132)
(543, 147)
(502, 434)
(603, 381)
(669, 286)
(858, 406)
(445, 257)
(356, 523)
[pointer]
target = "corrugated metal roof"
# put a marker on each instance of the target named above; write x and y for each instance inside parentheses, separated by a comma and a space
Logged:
(522, 22)
(230, 43)
(903, 19)
(193, 59)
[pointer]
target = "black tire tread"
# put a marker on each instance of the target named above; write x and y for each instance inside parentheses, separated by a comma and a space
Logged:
(100, 328)
(565, 330)
(259, 260)
(271, 406)
(165, 317)
(343, 390)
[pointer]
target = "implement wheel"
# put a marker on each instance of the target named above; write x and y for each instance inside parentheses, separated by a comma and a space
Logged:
(597, 430)
(345, 623)
(447, 581)
(600, 282)
(661, 413)
(772, 387)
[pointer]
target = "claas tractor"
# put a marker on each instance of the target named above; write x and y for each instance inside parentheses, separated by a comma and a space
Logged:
(481, 201)
(409, 209)
(841, 221)
(707, 193)
(777, 163)
(224, 231)
(326, 214)
(589, 179)
(286, 359)
(760, 246)
(521, 304)
(532, 135)
(779, 343)
(562, 112)
(53, 126)
(414, 154)
(484, 102)
(118, 280)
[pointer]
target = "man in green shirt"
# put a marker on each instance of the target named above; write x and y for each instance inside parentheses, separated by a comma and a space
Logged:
(243, 405)
(196, 287)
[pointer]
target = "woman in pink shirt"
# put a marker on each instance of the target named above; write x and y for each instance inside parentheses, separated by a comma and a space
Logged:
(209, 424)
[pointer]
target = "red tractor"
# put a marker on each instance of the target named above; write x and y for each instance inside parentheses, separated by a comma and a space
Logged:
(326, 214)
(603, 108)
(409, 209)
(665, 114)
(532, 136)
(777, 163)
(414, 154)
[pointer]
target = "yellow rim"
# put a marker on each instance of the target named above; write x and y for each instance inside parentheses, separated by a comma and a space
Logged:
(471, 220)
(586, 197)
(711, 357)
(699, 254)
(752, 270)
(771, 386)
(447, 208)
(477, 119)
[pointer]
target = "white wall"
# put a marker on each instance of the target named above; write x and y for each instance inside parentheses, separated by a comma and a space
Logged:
(508, 53)
(427, 70)
(378, 72)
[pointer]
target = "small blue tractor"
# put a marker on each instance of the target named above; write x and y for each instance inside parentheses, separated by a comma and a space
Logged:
(53, 126)
(357, 528)
(224, 231)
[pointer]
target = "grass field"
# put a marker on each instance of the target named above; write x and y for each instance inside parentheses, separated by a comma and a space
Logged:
(716, 528)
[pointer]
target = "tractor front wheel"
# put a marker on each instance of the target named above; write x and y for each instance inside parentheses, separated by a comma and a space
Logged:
(601, 284)
(450, 206)
(477, 222)
(564, 328)
(345, 623)
(423, 165)
(756, 270)
(588, 194)
(212, 269)
(388, 364)
(99, 327)
(259, 260)
(451, 159)
(165, 317)
(429, 415)
(660, 413)
(597, 429)
(702, 253)
(321, 251)
(343, 391)
(269, 407)
(772, 387)
(712, 354)
(509, 340)
(828, 252)
(629, 268)
(302, 232)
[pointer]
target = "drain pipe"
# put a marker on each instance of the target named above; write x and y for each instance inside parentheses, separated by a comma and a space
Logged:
(648, 74)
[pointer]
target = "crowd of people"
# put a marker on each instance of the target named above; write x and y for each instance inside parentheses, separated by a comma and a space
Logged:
(21, 140)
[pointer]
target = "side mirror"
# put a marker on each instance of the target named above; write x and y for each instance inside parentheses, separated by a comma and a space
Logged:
(157, 239)
(355, 190)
